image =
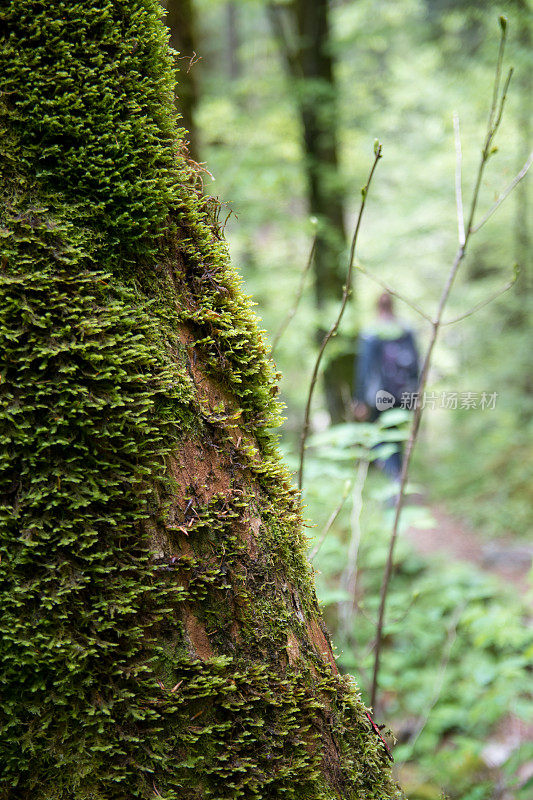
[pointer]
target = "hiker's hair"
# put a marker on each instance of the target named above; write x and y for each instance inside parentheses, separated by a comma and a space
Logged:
(385, 303)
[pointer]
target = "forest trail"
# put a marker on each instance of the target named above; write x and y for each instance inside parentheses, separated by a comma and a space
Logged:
(451, 537)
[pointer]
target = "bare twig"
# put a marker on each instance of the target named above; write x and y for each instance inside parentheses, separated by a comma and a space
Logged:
(506, 192)
(493, 124)
(332, 517)
(292, 311)
(483, 303)
(394, 292)
(498, 75)
(458, 180)
(502, 101)
(194, 59)
(333, 330)
(494, 120)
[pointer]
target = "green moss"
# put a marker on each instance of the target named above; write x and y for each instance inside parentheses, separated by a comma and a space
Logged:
(107, 254)
(90, 98)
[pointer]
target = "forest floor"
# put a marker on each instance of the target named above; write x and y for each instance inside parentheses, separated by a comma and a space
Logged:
(453, 539)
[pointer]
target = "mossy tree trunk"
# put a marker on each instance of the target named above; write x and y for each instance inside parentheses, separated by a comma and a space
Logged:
(160, 635)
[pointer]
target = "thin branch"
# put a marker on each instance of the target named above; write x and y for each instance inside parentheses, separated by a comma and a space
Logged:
(458, 180)
(502, 101)
(395, 293)
(292, 311)
(333, 330)
(497, 76)
(492, 125)
(332, 517)
(506, 192)
(483, 303)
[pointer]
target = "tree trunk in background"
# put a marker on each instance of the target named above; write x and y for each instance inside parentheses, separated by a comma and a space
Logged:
(180, 19)
(318, 109)
(307, 50)
(160, 634)
(233, 41)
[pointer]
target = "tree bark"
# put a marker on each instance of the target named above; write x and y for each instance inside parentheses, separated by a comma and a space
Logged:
(160, 634)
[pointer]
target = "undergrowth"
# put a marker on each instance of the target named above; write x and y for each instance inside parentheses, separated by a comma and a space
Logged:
(457, 644)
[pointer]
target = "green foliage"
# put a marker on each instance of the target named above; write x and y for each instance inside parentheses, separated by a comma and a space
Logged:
(336, 448)
(471, 477)
(457, 644)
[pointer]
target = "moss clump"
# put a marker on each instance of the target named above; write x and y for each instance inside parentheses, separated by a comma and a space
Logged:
(159, 630)
(89, 102)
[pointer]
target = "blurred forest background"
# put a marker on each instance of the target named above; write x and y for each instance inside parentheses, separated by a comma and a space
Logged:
(284, 101)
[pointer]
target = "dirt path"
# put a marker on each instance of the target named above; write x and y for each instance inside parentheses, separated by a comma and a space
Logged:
(454, 539)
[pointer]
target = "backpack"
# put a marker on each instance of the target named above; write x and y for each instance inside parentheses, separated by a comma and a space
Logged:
(399, 365)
